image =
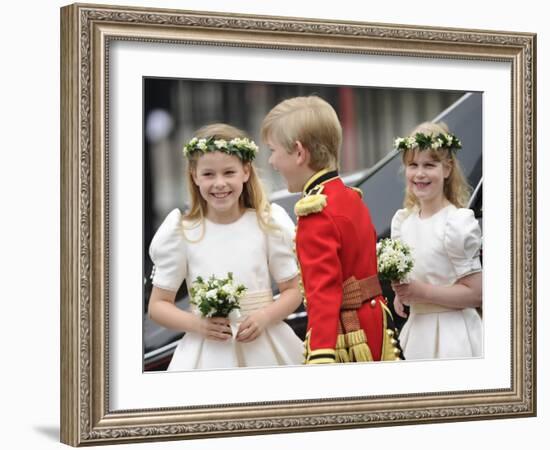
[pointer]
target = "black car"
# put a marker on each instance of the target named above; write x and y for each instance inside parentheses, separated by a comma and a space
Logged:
(382, 187)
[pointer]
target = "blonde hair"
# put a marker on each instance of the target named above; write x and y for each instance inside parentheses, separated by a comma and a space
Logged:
(455, 186)
(310, 120)
(253, 194)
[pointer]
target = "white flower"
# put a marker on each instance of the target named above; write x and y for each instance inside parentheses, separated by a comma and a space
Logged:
(411, 142)
(220, 143)
(244, 143)
(229, 288)
(216, 296)
(436, 144)
(237, 141)
(202, 144)
(394, 260)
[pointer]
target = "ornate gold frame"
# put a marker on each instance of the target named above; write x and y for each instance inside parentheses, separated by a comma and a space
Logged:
(86, 32)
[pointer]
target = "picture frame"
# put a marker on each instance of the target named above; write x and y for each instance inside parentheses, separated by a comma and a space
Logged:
(87, 35)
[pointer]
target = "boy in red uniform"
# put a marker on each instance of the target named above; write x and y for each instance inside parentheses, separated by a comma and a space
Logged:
(348, 319)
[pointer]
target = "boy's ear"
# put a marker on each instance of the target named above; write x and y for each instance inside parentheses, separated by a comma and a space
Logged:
(302, 154)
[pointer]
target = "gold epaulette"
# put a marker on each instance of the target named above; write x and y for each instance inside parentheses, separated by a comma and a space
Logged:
(310, 204)
(356, 189)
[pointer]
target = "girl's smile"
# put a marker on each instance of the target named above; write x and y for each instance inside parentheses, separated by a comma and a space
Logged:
(221, 194)
(421, 185)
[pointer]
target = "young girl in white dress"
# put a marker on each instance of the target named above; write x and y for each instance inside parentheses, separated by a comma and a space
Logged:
(229, 227)
(445, 284)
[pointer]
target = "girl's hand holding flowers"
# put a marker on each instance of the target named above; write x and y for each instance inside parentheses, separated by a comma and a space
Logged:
(216, 298)
(252, 326)
(399, 307)
(411, 292)
(215, 328)
(394, 260)
(394, 264)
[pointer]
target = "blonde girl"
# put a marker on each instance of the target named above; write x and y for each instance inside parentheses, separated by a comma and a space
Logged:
(446, 284)
(229, 227)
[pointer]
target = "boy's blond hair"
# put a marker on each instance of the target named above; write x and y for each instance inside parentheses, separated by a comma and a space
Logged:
(310, 120)
(455, 187)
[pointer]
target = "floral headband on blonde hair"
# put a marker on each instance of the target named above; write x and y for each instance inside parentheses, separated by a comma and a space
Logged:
(243, 148)
(421, 141)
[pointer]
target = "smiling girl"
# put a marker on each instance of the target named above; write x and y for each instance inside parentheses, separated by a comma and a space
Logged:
(230, 227)
(445, 283)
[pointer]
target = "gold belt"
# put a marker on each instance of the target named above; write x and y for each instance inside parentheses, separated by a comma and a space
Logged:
(356, 292)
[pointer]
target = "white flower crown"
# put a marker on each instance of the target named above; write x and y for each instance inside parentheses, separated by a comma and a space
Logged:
(243, 148)
(421, 141)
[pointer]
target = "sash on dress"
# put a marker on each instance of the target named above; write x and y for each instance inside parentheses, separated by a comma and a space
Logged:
(430, 308)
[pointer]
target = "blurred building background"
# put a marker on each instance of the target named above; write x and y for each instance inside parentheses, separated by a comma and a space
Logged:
(174, 109)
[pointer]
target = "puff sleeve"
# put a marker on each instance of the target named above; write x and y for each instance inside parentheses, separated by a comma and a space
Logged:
(167, 251)
(397, 220)
(280, 246)
(462, 240)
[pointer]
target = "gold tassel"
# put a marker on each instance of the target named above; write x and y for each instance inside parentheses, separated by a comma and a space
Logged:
(342, 355)
(359, 350)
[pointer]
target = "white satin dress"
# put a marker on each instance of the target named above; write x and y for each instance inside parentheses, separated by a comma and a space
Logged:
(253, 257)
(445, 248)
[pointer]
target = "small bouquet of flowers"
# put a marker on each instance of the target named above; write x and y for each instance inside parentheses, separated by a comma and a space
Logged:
(216, 297)
(394, 260)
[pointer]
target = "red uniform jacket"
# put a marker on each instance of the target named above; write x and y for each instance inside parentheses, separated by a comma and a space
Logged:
(333, 244)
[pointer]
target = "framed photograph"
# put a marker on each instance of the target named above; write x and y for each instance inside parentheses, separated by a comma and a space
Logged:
(174, 108)
(135, 85)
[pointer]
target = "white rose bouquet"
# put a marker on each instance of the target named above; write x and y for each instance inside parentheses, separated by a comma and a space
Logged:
(394, 260)
(216, 297)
